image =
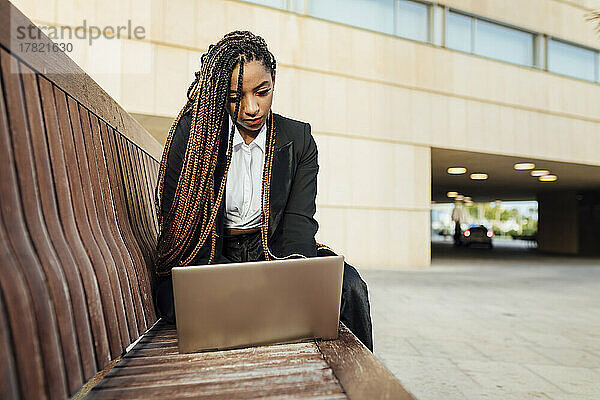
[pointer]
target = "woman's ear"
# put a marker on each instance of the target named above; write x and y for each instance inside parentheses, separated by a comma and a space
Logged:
(273, 78)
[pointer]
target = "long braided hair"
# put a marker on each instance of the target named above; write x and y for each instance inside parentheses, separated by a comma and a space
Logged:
(195, 204)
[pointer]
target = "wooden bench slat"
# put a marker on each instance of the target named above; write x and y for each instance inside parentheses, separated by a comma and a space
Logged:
(138, 359)
(55, 170)
(241, 384)
(260, 388)
(120, 203)
(82, 193)
(151, 180)
(359, 372)
(127, 173)
(102, 202)
(22, 248)
(74, 218)
(218, 376)
(57, 238)
(139, 180)
(154, 166)
(101, 186)
(139, 210)
(222, 362)
(130, 155)
(260, 371)
(87, 218)
(158, 338)
(149, 192)
(128, 194)
(140, 268)
(9, 381)
(232, 356)
(299, 349)
(95, 209)
(53, 275)
(142, 182)
(159, 342)
(21, 316)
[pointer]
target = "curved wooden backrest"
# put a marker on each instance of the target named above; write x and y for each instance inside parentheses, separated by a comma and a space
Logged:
(78, 230)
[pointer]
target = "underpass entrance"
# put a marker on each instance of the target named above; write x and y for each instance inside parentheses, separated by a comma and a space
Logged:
(550, 205)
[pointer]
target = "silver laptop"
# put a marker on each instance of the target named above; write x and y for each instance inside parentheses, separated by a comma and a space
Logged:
(225, 306)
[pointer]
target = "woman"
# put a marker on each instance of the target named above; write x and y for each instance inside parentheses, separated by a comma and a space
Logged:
(237, 182)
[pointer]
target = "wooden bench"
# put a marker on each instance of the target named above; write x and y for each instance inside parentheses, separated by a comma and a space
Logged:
(77, 233)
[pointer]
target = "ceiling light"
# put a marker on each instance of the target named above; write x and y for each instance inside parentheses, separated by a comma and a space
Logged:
(460, 197)
(539, 172)
(452, 194)
(524, 166)
(548, 178)
(479, 176)
(467, 198)
(457, 170)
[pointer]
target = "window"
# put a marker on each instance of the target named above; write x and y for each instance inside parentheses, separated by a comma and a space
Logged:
(269, 3)
(377, 15)
(413, 20)
(503, 43)
(488, 39)
(459, 32)
(571, 60)
(296, 5)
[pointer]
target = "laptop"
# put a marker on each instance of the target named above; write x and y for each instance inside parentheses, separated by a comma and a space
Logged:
(224, 306)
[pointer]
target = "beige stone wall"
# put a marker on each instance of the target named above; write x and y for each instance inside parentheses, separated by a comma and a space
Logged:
(373, 201)
(376, 103)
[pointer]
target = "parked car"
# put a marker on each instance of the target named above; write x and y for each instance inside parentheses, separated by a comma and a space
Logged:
(477, 234)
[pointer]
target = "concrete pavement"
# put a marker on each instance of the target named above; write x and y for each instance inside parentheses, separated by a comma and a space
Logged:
(501, 324)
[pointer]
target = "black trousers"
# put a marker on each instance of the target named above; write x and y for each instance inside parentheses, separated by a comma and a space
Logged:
(457, 233)
(355, 310)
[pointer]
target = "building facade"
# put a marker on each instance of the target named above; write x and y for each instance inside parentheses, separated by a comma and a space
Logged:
(395, 90)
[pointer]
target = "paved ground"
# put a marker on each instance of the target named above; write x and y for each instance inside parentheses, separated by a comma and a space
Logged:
(501, 324)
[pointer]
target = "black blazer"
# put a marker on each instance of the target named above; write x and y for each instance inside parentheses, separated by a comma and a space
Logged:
(292, 226)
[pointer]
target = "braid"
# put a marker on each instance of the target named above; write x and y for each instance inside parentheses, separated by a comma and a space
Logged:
(196, 202)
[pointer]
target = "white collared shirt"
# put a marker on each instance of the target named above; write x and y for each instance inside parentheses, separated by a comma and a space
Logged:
(244, 180)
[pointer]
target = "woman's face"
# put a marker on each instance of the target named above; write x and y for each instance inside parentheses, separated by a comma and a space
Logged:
(257, 96)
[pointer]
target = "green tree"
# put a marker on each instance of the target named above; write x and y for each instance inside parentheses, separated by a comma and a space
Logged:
(494, 213)
(595, 17)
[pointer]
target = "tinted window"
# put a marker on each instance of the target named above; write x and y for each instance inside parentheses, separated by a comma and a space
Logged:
(567, 59)
(377, 15)
(413, 20)
(459, 34)
(269, 3)
(503, 43)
